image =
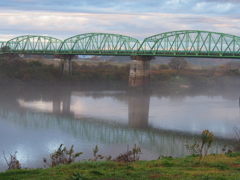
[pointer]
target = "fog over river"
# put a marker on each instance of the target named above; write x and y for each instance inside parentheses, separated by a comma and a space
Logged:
(34, 121)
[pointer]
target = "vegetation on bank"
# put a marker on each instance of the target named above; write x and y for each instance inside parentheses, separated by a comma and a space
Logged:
(127, 165)
(177, 72)
(221, 167)
(21, 71)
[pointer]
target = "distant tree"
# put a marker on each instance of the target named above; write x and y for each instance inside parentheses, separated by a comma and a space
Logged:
(178, 63)
(5, 48)
(95, 58)
(163, 67)
(36, 57)
(65, 56)
(110, 60)
(8, 56)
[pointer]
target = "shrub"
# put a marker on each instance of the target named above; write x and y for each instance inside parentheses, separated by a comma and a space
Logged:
(207, 139)
(129, 156)
(236, 139)
(62, 156)
(233, 72)
(14, 162)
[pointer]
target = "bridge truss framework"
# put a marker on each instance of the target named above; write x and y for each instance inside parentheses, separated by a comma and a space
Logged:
(186, 43)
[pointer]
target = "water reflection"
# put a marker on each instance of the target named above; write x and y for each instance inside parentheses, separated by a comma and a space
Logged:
(111, 119)
(138, 106)
(138, 110)
(131, 109)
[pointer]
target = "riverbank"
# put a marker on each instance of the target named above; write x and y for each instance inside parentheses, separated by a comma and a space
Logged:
(110, 74)
(223, 166)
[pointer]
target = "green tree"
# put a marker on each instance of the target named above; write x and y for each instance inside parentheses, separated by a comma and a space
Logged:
(178, 63)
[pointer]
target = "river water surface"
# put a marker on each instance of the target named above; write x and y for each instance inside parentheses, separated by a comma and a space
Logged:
(35, 121)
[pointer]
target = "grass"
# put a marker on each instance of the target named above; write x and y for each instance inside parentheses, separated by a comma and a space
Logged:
(221, 167)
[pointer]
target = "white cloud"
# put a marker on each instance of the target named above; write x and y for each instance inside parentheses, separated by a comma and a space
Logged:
(136, 18)
(62, 25)
(214, 7)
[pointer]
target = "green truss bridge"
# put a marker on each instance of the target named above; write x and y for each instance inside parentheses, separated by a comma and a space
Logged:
(184, 43)
(187, 43)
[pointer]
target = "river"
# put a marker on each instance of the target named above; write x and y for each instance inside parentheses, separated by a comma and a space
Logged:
(36, 120)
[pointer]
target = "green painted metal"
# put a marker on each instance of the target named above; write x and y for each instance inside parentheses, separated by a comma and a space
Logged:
(2, 44)
(187, 43)
(191, 43)
(32, 44)
(99, 43)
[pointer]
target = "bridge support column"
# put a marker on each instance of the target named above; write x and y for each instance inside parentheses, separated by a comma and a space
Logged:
(67, 63)
(139, 75)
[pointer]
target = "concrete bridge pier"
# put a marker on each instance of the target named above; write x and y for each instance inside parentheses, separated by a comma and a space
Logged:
(66, 60)
(139, 75)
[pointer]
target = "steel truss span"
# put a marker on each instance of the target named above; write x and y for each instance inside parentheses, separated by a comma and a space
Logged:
(99, 43)
(191, 43)
(187, 43)
(32, 44)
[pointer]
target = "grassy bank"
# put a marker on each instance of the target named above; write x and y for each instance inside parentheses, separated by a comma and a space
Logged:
(221, 167)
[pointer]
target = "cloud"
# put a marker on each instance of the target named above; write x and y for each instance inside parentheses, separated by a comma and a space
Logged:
(64, 25)
(136, 18)
(224, 1)
(123, 6)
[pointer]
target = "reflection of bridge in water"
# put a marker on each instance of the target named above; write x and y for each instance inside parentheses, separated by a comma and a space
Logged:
(99, 131)
(138, 108)
(93, 130)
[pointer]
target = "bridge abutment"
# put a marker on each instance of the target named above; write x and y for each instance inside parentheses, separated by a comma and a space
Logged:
(139, 75)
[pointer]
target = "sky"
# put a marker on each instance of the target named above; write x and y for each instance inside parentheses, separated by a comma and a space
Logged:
(136, 18)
